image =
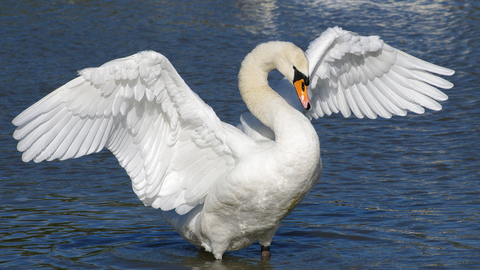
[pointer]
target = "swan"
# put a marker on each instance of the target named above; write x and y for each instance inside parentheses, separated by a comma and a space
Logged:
(223, 187)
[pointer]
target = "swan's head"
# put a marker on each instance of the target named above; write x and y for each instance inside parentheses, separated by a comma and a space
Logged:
(287, 58)
(293, 64)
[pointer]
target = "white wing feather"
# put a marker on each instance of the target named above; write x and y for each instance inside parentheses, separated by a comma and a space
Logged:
(352, 73)
(170, 142)
(363, 75)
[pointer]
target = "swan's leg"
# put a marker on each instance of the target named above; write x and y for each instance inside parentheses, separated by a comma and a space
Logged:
(265, 241)
(265, 252)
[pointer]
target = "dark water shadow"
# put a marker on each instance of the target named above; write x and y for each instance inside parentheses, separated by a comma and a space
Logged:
(181, 256)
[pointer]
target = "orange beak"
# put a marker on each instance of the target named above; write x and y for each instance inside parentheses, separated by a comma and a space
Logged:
(302, 93)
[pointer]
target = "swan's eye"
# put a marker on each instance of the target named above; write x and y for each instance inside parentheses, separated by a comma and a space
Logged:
(297, 76)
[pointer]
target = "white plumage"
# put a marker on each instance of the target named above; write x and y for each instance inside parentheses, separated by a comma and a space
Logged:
(223, 187)
(352, 73)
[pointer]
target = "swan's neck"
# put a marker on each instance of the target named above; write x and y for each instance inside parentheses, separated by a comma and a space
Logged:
(266, 104)
(292, 129)
(259, 97)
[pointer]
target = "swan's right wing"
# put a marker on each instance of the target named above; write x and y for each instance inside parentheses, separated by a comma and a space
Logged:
(172, 145)
(364, 75)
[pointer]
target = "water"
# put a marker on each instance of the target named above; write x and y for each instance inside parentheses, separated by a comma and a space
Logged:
(395, 194)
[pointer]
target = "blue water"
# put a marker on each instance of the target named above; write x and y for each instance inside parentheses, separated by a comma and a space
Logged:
(395, 194)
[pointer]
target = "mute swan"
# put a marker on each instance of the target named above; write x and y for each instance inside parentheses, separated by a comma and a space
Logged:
(219, 186)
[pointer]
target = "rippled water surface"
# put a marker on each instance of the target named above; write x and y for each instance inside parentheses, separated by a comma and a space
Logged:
(399, 193)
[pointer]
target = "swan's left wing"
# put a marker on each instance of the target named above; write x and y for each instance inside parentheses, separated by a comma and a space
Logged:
(364, 75)
(172, 144)
(352, 73)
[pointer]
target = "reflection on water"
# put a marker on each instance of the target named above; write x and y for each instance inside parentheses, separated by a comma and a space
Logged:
(262, 13)
(398, 193)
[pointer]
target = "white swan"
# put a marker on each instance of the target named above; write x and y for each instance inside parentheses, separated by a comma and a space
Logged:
(220, 187)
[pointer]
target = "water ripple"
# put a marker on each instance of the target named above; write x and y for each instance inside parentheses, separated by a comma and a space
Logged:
(399, 193)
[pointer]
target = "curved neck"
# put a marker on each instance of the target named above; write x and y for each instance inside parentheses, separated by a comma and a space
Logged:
(259, 97)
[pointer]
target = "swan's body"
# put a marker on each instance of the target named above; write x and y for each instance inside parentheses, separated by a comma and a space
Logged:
(269, 178)
(219, 186)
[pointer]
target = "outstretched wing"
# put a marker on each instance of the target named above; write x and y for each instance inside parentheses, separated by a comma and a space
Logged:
(170, 142)
(352, 73)
(364, 75)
